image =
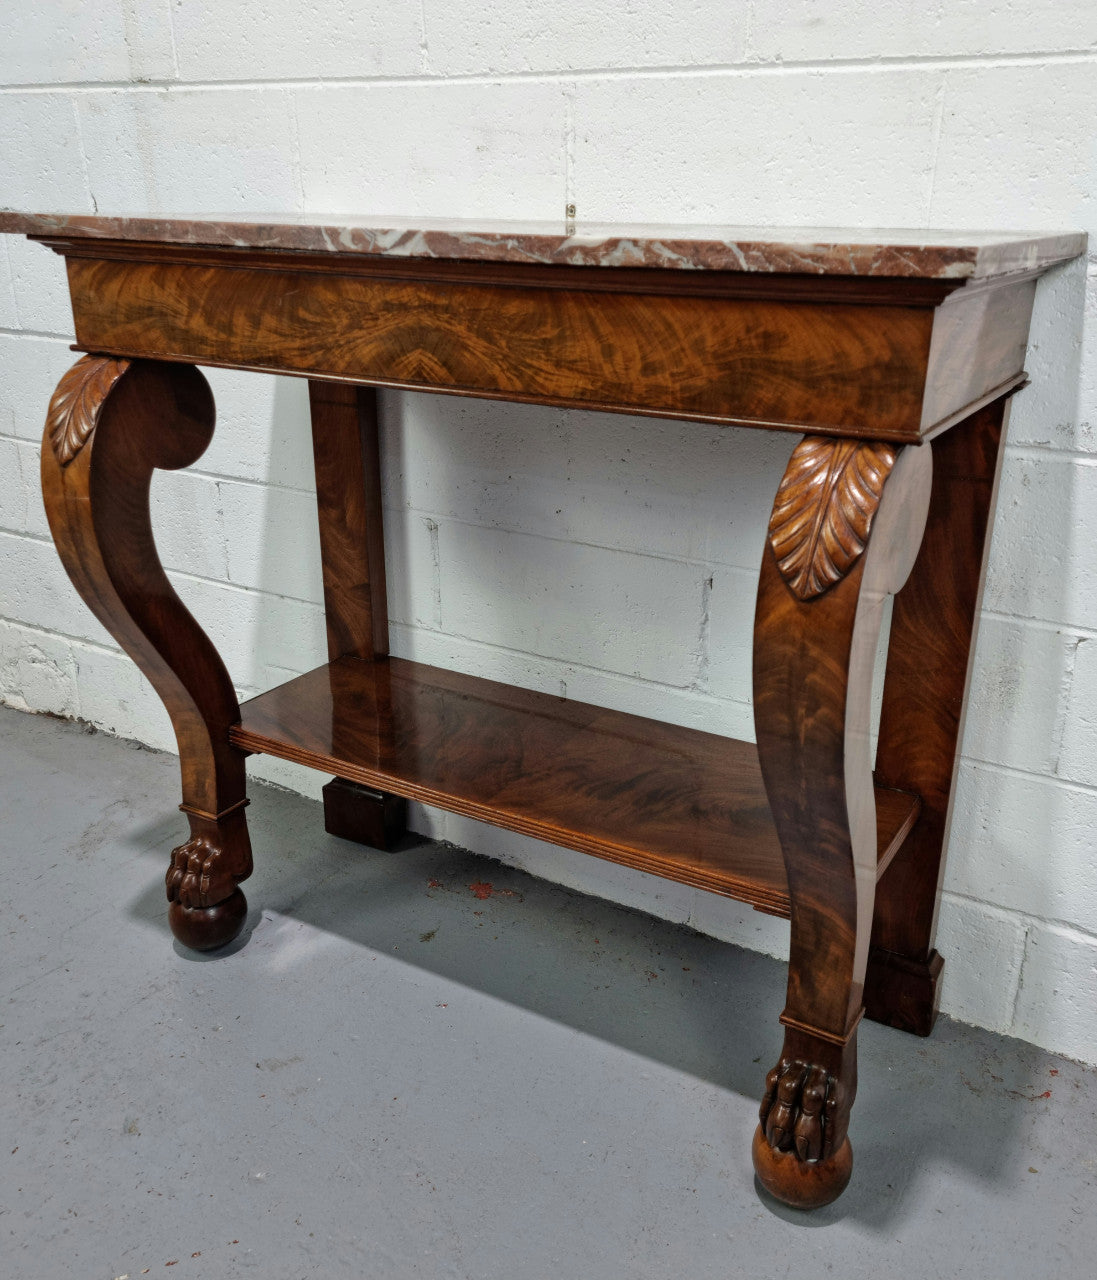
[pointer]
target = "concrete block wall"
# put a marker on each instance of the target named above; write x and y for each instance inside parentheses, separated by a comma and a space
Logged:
(607, 558)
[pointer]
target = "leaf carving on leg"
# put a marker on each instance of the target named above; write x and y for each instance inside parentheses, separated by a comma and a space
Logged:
(824, 508)
(80, 395)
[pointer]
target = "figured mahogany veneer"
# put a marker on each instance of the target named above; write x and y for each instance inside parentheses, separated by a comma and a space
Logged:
(686, 805)
(896, 358)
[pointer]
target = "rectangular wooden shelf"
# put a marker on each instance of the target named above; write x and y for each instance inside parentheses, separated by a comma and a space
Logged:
(682, 804)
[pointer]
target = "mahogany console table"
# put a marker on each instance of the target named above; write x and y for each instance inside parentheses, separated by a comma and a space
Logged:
(867, 346)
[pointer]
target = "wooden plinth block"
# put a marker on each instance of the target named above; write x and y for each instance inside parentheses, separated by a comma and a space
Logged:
(903, 993)
(361, 814)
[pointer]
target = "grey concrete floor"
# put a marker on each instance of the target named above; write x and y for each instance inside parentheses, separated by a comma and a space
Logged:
(392, 1077)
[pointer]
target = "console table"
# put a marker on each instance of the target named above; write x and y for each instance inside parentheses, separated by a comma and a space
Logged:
(868, 346)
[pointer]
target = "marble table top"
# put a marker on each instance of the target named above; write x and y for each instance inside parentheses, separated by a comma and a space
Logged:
(844, 251)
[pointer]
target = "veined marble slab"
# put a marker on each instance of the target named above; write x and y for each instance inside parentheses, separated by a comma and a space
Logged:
(843, 251)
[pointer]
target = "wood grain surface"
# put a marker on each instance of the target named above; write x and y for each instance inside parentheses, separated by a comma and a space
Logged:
(840, 368)
(682, 804)
(96, 484)
(347, 461)
(813, 663)
(928, 669)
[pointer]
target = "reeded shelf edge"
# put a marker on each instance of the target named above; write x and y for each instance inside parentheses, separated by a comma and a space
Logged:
(679, 803)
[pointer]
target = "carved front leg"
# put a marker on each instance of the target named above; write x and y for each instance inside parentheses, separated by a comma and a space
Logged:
(111, 423)
(844, 532)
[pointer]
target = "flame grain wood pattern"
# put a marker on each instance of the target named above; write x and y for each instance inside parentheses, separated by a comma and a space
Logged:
(74, 408)
(139, 416)
(685, 805)
(347, 460)
(928, 669)
(823, 511)
(871, 351)
(813, 662)
(708, 358)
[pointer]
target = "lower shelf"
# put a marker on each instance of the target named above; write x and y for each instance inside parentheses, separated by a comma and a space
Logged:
(679, 803)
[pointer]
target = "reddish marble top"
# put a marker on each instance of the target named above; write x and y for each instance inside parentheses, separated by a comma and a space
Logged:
(842, 251)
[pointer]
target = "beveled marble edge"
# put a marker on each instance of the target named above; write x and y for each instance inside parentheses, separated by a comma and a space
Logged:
(813, 250)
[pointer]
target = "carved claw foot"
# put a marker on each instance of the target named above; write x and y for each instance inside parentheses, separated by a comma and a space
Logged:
(801, 1152)
(207, 907)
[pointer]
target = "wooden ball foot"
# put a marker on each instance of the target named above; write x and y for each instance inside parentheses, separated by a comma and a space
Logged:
(797, 1183)
(207, 928)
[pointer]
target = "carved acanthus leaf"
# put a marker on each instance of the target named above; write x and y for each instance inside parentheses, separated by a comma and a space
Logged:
(80, 395)
(824, 508)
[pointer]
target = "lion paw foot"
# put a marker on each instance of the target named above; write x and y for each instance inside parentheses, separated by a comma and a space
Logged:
(800, 1109)
(192, 878)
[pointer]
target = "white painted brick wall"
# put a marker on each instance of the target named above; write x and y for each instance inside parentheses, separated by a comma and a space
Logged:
(611, 557)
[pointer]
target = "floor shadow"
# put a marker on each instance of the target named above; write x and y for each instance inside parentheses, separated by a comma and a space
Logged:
(650, 987)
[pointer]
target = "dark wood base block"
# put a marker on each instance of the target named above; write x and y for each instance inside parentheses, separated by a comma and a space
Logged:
(903, 993)
(358, 813)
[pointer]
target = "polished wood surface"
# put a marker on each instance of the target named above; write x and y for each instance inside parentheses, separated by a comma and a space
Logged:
(347, 459)
(928, 669)
(677, 802)
(708, 358)
(872, 353)
(857, 512)
(364, 814)
(110, 424)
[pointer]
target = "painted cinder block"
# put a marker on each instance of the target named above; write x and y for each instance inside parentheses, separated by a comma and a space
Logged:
(1057, 408)
(37, 671)
(681, 489)
(35, 522)
(30, 368)
(1057, 1000)
(608, 609)
(35, 590)
(40, 153)
(809, 30)
(272, 539)
(9, 317)
(983, 948)
(262, 431)
(1025, 844)
(1078, 757)
(727, 666)
(1015, 147)
(855, 146)
(114, 696)
(190, 150)
(412, 570)
(1043, 557)
(57, 41)
(1019, 683)
(187, 525)
(223, 40)
(264, 639)
(13, 492)
(478, 150)
(38, 281)
(536, 35)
